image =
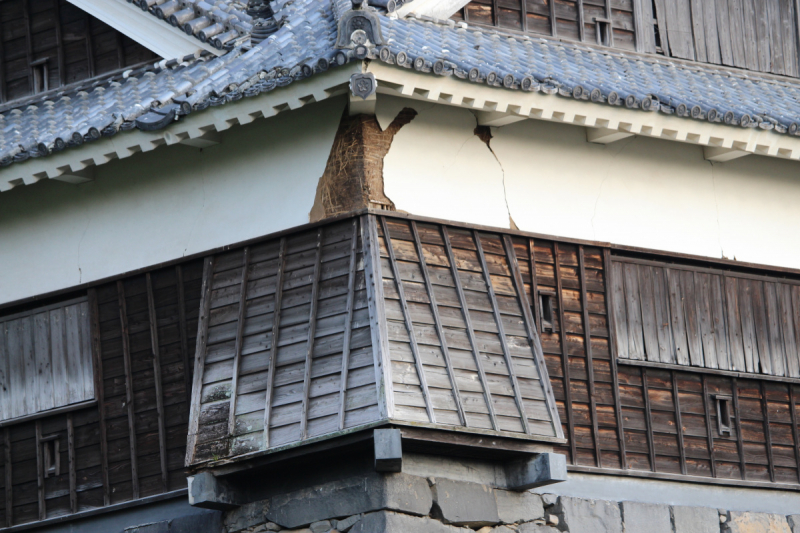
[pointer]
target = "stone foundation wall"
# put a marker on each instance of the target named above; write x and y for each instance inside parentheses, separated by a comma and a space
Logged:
(402, 503)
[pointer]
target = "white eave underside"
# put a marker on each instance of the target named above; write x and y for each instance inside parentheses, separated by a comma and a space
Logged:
(158, 36)
(492, 105)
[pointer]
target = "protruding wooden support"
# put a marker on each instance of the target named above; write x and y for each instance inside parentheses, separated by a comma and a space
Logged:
(388, 450)
(720, 155)
(361, 106)
(210, 492)
(204, 141)
(496, 119)
(538, 471)
(605, 135)
(77, 177)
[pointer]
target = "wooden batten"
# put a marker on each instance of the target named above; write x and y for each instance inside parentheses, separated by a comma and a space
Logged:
(362, 322)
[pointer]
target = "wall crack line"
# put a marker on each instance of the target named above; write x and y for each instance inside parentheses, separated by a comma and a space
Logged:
(484, 133)
(623, 145)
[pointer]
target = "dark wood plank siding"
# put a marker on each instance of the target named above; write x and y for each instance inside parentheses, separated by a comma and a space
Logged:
(94, 466)
(300, 289)
(76, 46)
(759, 35)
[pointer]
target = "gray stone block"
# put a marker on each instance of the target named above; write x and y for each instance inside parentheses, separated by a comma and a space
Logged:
(532, 527)
(345, 525)
(247, 515)
(513, 507)
(323, 526)
(695, 519)
(350, 496)
(588, 516)
(794, 522)
(388, 450)
(156, 527)
(744, 522)
(463, 503)
(538, 471)
(210, 492)
(645, 518)
(389, 522)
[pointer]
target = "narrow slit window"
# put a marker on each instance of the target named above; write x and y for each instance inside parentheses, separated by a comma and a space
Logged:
(51, 456)
(40, 76)
(724, 416)
(603, 31)
(546, 306)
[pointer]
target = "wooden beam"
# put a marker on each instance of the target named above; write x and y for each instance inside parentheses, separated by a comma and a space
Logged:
(533, 336)
(99, 391)
(73, 478)
(409, 324)
(524, 10)
(564, 357)
(187, 370)
(709, 430)
(40, 471)
(462, 300)
(89, 49)
(348, 324)
(649, 419)
(605, 135)
(767, 434)
(26, 10)
(156, 351)
(678, 421)
(2, 73)
(534, 286)
(612, 346)
(553, 20)
(237, 350)
(437, 321)
(587, 340)
(273, 353)
(581, 22)
(373, 276)
(120, 49)
(501, 332)
(199, 357)
(126, 354)
(739, 440)
(795, 436)
(312, 331)
(9, 478)
(720, 155)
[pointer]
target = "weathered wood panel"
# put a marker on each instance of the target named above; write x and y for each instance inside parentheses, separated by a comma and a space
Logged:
(723, 320)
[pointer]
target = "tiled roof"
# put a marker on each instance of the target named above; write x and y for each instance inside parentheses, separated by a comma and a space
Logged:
(217, 22)
(305, 44)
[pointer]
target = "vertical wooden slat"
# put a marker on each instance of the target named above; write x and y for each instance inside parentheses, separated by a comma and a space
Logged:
(2, 73)
(587, 339)
(739, 441)
(348, 324)
(99, 390)
(661, 17)
(126, 354)
(734, 323)
(89, 47)
(462, 300)
(200, 357)
(156, 351)
(553, 21)
(617, 311)
(767, 434)
(312, 331)
(636, 343)
(377, 314)
(524, 14)
(678, 421)
(611, 297)
(795, 436)
(9, 478)
(73, 478)
(564, 357)
(648, 309)
(649, 419)
(62, 71)
(187, 374)
(423, 381)
(237, 350)
(533, 337)
(120, 49)
(535, 286)
(273, 353)
(677, 317)
(709, 429)
(438, 325)
(40, 471)
(581, 24)
(26, 10)
(502, 334)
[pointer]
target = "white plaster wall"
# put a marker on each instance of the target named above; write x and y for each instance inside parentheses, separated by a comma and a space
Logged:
(165, 204)
(641, 192)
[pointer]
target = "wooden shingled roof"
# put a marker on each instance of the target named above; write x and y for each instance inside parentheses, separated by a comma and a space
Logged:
(378, 321)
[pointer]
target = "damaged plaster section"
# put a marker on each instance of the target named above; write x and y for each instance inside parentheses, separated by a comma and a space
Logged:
(438, 167)
(353, 177)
